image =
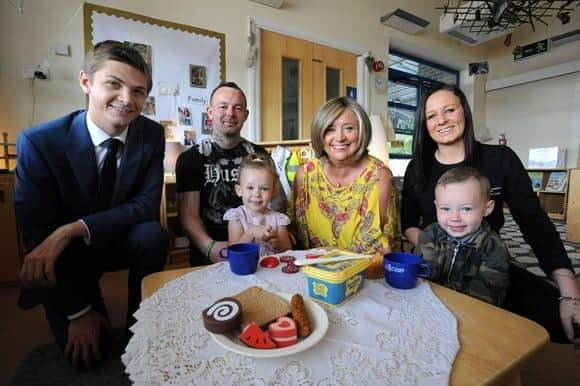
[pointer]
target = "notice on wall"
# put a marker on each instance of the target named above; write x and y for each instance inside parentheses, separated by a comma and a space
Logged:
(532, 49)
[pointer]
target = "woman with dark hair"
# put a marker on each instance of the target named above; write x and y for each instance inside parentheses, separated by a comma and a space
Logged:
(444, 139)
(344, 197)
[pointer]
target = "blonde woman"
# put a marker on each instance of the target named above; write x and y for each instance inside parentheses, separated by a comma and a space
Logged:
(344, 197)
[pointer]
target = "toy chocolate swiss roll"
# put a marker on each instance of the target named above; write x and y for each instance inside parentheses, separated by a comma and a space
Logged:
(223, 316)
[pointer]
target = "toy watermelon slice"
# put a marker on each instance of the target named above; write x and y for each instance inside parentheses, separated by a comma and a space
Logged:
(253, 336)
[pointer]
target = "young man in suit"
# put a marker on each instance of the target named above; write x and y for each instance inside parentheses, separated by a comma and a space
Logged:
(87, 201)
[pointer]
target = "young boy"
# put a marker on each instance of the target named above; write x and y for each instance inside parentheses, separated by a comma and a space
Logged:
(464, 253)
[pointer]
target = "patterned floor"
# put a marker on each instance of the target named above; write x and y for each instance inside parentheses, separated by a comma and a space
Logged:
(523, 253)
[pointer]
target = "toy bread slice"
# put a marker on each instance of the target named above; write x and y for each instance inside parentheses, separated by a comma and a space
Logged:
(261, 307)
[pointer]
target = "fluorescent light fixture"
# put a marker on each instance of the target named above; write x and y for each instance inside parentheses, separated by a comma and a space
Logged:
(270, 3)
(404, 21)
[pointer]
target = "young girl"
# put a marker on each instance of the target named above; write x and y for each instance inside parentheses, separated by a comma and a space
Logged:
(254, 221)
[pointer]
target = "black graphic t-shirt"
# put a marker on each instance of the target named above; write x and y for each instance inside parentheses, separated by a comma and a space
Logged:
(213, 171)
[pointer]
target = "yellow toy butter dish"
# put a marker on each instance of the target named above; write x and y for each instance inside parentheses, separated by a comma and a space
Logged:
(334, 283)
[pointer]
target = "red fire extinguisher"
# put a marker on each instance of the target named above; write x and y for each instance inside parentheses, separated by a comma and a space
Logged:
(502, 140)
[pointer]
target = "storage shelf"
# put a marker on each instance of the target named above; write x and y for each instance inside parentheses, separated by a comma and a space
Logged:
(550, 192)
(178, 250)
(7, 153)
(169, 220)
(546, 170)
(553, 202)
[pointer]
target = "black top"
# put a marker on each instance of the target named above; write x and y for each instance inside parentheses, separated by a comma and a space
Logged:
(510, 183)
(213, 171)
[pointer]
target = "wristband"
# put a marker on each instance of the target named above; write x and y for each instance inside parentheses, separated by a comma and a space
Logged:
(209, 248)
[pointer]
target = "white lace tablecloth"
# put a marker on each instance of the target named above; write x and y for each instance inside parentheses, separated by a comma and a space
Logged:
(381, 336)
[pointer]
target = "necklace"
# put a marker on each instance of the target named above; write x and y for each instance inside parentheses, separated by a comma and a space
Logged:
(336, 181)
(344, 179)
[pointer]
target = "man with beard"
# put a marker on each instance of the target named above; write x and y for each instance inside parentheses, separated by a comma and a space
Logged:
(207, 173)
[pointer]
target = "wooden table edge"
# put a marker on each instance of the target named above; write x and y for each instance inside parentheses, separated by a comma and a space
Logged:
(510, 375)
(536, 336)
(153, 282)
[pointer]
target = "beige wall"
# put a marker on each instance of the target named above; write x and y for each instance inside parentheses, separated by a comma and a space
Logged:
(500, 57)
(540, 113)
(30, 37)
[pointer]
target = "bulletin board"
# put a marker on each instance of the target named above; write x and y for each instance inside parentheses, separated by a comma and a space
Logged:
(186, 62)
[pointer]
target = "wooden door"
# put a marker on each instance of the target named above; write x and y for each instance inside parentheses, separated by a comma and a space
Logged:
(297, 77)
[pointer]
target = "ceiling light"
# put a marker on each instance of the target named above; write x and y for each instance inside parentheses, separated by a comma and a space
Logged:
(404, 21)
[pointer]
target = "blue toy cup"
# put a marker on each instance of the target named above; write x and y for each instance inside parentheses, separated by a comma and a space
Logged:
(243, 258)
(403, 269)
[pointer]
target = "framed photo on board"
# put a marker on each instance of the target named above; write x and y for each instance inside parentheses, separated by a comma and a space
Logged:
(197, 76)
(206, 124)
(145, 51)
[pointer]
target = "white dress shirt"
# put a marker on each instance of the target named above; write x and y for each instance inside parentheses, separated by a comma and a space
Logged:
(98, 137)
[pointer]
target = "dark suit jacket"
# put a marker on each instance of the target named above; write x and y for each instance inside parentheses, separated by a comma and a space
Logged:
(57, 180)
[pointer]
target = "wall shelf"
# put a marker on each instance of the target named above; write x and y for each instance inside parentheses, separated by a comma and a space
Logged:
(8, 153)
(551, 186)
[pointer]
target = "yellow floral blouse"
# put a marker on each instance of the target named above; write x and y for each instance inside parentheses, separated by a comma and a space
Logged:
(346, 217)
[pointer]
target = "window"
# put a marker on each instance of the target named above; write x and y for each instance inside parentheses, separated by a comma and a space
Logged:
(409, 78)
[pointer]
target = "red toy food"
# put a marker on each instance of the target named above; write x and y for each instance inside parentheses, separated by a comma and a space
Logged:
(290, 268)
(313, 255)
(283, 332)
(287, 259)
(269, 262)
(253, 336)
(300, 315)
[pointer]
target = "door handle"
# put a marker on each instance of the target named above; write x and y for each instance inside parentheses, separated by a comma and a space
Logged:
(2, 196)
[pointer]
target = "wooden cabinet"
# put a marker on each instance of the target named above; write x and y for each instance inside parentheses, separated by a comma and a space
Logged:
(9, 237)
(573, 210)
(551, 185)
(178, 241)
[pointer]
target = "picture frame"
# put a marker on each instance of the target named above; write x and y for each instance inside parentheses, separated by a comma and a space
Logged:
(188, 138)
(145, 50)
(479, 68)
(168, 129)
(197, 76)
(184, 115)
(206, 124)
(149, 106)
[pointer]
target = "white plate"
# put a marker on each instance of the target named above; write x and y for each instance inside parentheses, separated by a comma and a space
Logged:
(318, 324)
